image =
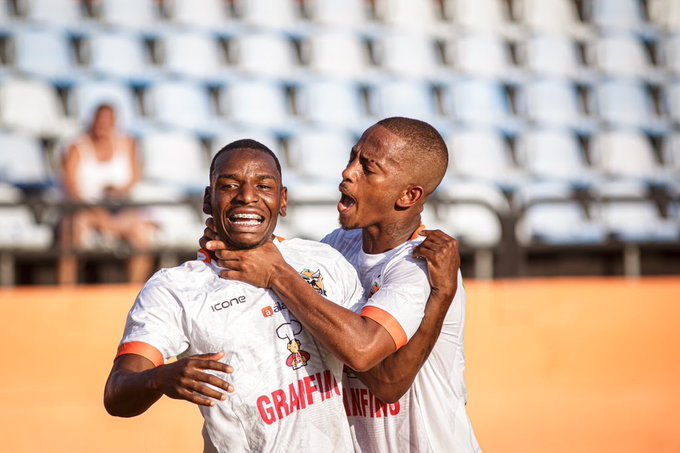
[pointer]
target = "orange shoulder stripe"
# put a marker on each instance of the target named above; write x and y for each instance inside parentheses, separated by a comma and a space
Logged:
(388, 322)
(417, 232)
(145, 350)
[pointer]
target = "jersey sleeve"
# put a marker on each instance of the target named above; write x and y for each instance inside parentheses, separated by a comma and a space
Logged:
(154, 325)
(352, 291)
(399, 303)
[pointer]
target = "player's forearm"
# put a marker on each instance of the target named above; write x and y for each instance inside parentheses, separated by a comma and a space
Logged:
(391, 378)
(345, 334)
(130, 393)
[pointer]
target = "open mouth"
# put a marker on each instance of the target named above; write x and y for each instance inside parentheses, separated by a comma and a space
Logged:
(247, 220)
(346, 202)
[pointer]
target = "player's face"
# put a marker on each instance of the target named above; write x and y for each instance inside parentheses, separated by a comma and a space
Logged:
(247, 197)
(371, 181)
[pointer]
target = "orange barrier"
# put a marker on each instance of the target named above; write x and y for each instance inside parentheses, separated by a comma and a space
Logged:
(572, 365)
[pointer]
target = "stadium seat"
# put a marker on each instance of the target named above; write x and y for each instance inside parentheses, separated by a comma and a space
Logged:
(266, 137)
(194, 55)
(330, 103)
(554, 102)
(558, 223)
(478, 102)
(272, 14)
(313, 221)
(405, 98)
(552, 55)
(665, 13)
(120, 55)
(627, 154)
(480, 54)
(626, 103)
(161, 151)
(554, 155)
(88, 95)
(257, 103)
(269, 54)
(671, 154)
(338, 13)
(480, 15)
(22, 162)
(671, 52)
(202, 14)
(550, 16)
(44, 53)
(338, 54)
(410, 55)
(459, 190)
(407, 14)
(622, 55)
(183, 105)
(32, 106)
(20, 231)
(321, 154)
(52, 12)
(673, 100)
(636, 222)
(472, 224)
(135, 14)
(617, 14)
(484, 155)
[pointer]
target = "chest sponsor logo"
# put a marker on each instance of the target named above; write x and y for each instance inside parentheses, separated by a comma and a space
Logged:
(315, 280)
(287, 331)
(269, 311)
(219, 306)
(360, 402)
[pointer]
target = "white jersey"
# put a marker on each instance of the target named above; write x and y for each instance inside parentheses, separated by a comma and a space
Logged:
(287, 387)
(430, 416)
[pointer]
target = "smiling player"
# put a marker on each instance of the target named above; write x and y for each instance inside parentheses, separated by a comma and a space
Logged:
(284, 389)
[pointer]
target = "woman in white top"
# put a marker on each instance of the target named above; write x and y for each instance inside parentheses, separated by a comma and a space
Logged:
(102, 165)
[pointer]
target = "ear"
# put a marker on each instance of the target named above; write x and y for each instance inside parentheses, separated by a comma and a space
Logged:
(284, 202)
(207, 201)
(410, 196)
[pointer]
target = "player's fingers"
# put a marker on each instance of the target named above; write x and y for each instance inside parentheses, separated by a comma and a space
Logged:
(209, 356)
(215, 244)
(214, 381)
(196, 385)
(192, 397)
(210, 223)
(210, 234)
(231, 275)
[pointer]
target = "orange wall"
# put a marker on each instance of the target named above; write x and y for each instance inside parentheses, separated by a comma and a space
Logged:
(553, 365)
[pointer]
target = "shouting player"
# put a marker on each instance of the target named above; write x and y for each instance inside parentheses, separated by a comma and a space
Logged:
(392, 170)
(283, 392)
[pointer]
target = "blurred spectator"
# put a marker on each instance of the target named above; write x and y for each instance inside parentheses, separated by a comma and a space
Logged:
(101, 166)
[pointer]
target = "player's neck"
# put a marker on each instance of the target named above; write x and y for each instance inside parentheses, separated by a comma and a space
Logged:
(384, 237)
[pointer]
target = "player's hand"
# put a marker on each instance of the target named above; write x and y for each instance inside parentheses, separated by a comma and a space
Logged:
(443, 261)
(257, 266)
(210, 241)
(187, 379)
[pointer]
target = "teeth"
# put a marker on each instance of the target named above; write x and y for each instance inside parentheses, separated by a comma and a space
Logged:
(247, 216)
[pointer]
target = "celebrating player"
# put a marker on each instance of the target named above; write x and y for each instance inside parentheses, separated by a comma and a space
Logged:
(281, 390)
(392, 170)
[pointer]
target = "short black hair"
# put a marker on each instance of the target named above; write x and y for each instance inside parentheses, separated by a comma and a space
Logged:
(246, 143)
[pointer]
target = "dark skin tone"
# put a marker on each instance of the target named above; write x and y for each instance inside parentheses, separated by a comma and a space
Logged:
(388, 211)
(246, 192)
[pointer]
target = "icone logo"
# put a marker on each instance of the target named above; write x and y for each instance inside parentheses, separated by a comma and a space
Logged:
(269, 311)
(228, 303)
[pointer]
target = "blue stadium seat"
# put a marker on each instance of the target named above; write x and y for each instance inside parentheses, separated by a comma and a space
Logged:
(558, 223)
(551, 16)
(20, 231)
(332, 103)
(622, 55)
(665, 13)
(339, 54)
(266, 53)
(553, 55)
(479, 102)
(201, 14)
(422, 17)
(671, 53)
(271, 14)
(257, 103)
(480, 54)
(627, 103)
(52, 12)
(618, 14)
(22, 162)
(409, 54)
(481, 15)
(134, 14)
(339, 13)
(119, 54)
(636, 221)
(45, 53)
(554, 102)
(194, 55)
(405, 98)
(87, 95)
(321, 154)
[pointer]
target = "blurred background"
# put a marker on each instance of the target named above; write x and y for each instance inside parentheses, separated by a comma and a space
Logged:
(563, 124)
(562, 118)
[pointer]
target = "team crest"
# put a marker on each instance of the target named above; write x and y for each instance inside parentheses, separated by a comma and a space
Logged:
(287, 331)
(375, 286)
(314, 279)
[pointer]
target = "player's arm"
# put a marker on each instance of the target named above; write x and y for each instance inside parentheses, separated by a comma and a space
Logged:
(358, 341)
(136, 383)
(392, 377)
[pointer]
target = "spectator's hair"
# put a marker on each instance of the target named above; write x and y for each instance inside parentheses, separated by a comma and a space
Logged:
(424, 149)
(245, 143)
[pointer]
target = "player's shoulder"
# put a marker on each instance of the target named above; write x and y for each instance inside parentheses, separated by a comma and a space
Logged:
(186, 276)
(402, 262)
(311, 249)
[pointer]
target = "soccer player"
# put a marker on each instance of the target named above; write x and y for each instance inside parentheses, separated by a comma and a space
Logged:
(392, 170)
(281, 390)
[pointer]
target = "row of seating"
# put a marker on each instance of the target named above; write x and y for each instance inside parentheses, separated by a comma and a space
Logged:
(566, 16)
(205, 110)
(57, 55)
